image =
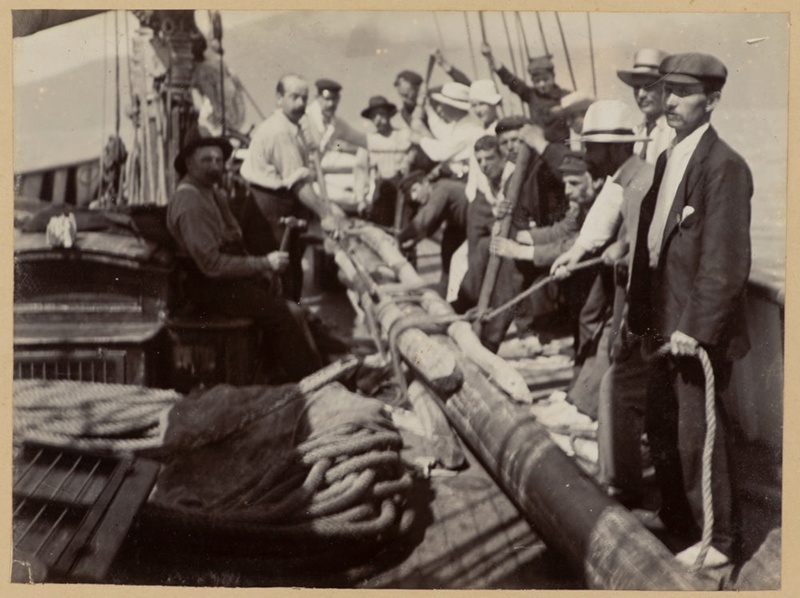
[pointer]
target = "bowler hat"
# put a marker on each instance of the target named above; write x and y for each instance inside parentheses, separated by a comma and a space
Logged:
(645, 67)
(510, 123)
(377, 102)
(573, 163)
(693, 68)
(609, 121)
(541, 64)
(484, 91)
(453, 94)
(195, 141)
(328, 85)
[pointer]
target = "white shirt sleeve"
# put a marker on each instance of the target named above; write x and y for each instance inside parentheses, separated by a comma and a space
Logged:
(604, 218)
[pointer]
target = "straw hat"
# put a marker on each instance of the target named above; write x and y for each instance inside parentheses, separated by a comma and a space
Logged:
(484, 91)
(645, 67)
(610, 121)
(453, 94)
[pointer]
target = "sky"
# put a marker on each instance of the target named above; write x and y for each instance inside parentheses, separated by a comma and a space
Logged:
(65, 94)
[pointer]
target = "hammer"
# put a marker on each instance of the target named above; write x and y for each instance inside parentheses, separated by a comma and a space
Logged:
(291, 222)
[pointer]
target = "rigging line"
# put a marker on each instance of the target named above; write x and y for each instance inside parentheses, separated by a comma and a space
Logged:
(523, 62)
(438, 30)
(524, 37)
(117, 115)
(471, 46)
(513, 58)
(566, 51)
(541, 33)
(105, 103)
(492, 74)
(591, 53)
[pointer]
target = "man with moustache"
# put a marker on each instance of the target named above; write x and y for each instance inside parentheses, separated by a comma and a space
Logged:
(221, 278)
(281, 176)
(648, 91)
(689, 273)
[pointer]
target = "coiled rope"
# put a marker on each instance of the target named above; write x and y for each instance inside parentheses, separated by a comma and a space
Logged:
(708, 451)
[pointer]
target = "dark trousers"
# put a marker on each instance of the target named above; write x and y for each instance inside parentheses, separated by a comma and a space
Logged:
(286, 338)
(262, 232)
(676, 424)
(621, 411)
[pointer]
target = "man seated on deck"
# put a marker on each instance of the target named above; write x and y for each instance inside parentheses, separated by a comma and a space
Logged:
(220, 277)
(281, 174)
(542, 98)
(442, 201)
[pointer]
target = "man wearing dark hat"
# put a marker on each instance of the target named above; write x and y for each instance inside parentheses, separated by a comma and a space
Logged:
(281, 176)
(543, 97)
(334, 140)
(386, 160)
(648, 91)
(442, 202)
(689, 273)
(220, 276)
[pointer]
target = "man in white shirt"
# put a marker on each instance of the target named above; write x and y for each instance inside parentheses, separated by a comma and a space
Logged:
(280, 174)
(334, 140)
(648, 91)
(689, 274)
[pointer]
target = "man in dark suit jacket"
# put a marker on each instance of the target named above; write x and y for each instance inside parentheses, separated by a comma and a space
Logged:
(689, 273)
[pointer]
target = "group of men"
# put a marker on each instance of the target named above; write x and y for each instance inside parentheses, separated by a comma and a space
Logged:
(662, 200)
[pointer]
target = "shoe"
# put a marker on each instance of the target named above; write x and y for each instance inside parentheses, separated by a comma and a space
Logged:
(650, 519)
(714, 558)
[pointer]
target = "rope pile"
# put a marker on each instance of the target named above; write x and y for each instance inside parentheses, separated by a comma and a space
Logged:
(90, 416)
(335, 476)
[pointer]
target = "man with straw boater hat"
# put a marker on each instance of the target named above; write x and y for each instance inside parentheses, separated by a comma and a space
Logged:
(454, 131)
(689, 273)
(648, 91)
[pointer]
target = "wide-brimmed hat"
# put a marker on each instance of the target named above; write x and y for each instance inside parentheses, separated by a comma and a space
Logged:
(694, 67)
(453, 94)
(645, 67)
(195, 141)
(377, 102)
(576, 102)
(610, 121)
(484, 91)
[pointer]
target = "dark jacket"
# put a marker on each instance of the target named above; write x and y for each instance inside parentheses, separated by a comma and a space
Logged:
(698, 285)
(555, 127)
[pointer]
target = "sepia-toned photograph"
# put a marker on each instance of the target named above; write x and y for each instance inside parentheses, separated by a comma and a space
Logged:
(467, 300)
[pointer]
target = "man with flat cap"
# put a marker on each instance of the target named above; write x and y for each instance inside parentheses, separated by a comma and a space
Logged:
(334, 140)
(279, 170)
(648, 91)
(221, 278)
(690, 269)
(543, 97)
